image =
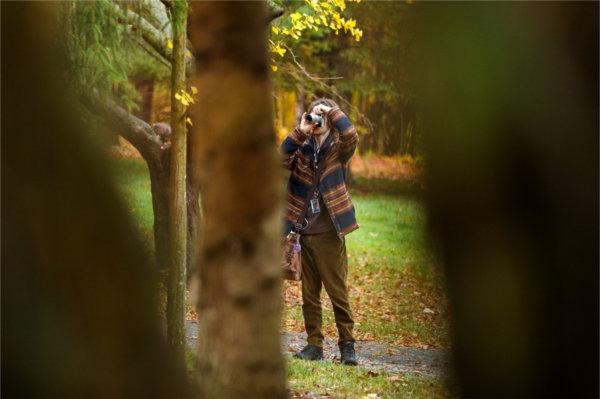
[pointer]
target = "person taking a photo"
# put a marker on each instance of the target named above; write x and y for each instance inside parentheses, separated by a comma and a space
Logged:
(319, 208)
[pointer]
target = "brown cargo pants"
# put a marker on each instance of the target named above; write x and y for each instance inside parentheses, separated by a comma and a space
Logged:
(325, 263)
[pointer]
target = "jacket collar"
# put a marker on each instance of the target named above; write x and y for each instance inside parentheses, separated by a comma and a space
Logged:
(324, 145)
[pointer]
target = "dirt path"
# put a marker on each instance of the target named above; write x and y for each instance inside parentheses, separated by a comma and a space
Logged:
(371, 355)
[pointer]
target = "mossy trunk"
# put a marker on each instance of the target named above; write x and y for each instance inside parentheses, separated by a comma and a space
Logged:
(177, 188)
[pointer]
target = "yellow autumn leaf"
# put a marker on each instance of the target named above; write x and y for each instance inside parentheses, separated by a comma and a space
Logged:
(275, 30)
(358, 34)
(194, 89)
(189, 121)
(278, 49)
(274, 68)
(169, 44)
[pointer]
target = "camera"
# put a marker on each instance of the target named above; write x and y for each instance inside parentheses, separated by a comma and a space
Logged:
(314, 119)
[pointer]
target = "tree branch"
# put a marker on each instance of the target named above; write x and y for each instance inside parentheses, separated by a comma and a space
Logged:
(156, 13)
(274, 13)
(139, 133)
(299, 71)
(157, 39)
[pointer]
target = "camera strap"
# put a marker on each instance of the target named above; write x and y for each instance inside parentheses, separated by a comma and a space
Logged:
(298, 226)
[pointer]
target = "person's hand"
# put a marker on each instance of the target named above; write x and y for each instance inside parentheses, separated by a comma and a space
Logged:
(321, 109)
(306, 127)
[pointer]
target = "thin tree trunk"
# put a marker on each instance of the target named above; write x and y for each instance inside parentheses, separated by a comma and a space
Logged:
(238, 167)
(300, 104)
(159, 186)
(177, 189)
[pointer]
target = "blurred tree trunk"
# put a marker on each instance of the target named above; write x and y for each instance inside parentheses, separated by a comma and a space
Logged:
(194, 213)
(239, 170)
(79, 316)
(513, 190)
(145, 87)
(364, 142)
(177, 196)
(300, 104)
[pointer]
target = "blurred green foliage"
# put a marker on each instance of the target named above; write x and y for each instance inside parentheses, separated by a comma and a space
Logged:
(104, 52)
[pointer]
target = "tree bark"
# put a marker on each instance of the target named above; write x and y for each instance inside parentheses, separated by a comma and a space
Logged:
(238, 169)
(177, 189)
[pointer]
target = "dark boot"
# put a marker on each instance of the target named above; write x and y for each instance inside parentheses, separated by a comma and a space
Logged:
(310, 352)
(347, 353)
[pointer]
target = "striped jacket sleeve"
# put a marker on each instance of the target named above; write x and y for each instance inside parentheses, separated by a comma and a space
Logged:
(291, 146)
(348, 135)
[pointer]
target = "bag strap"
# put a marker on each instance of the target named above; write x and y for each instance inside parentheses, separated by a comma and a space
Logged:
(298, 225)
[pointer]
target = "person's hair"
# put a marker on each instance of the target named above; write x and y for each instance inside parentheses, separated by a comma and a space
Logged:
(325, 101)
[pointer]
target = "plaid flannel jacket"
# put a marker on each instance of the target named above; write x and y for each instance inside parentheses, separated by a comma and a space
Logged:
(337, 149)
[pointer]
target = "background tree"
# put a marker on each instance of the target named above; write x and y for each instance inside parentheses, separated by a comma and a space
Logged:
(109, 44)
(177, 198)
(238, 167)
(358, 57)
(113, 48)
(300, 42)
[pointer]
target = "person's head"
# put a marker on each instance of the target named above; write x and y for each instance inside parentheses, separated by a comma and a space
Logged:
(326, 123)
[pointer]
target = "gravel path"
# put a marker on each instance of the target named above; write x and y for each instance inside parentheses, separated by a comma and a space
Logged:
(371, 355)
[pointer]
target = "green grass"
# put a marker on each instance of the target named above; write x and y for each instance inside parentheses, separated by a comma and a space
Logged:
(133, 182)
(325, 378)
(329, 379)
(391, 247)
(391, 232)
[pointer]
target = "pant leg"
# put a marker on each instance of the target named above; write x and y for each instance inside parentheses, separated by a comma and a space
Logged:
(311, 292)
(332, 261)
